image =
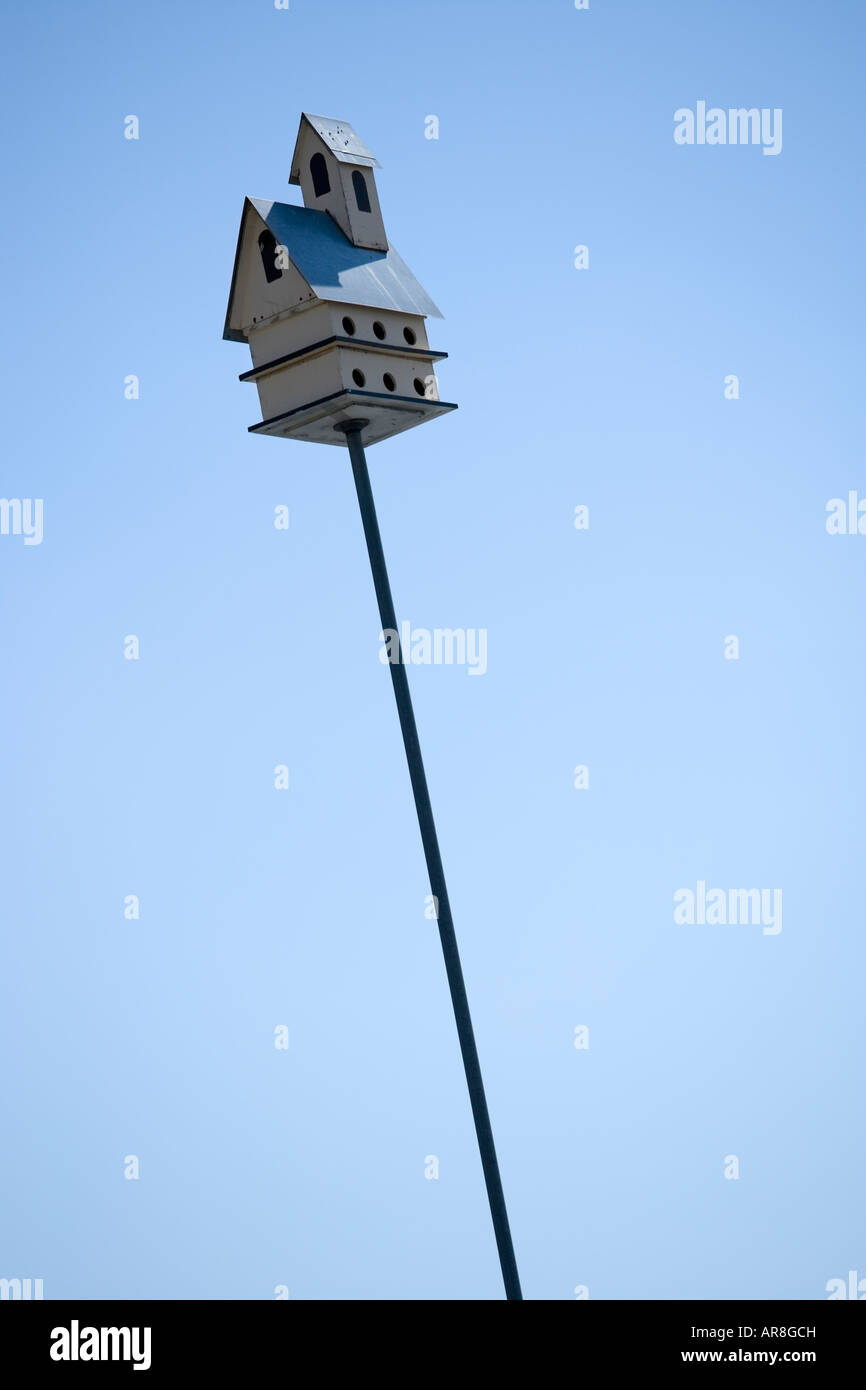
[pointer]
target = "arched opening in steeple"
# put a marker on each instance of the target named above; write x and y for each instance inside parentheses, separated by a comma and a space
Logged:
(362, 197)
(319, 174)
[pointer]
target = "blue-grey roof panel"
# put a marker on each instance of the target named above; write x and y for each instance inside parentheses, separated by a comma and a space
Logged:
(335, 269)
(342, 139)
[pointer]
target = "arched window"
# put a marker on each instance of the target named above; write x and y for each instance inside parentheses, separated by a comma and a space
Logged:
(362, 197)
(268, 251)
(319, 171)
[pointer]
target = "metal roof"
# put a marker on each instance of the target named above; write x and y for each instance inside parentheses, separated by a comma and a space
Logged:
(342, 140)
(333, 267)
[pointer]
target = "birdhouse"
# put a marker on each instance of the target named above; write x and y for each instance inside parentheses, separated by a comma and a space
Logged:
(335, 319)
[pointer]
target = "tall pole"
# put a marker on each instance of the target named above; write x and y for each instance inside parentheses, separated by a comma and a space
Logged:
(471, 1065)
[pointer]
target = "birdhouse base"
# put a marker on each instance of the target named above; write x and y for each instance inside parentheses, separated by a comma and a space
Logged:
(384, 415)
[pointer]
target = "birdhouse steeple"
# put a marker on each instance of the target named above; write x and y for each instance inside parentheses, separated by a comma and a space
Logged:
(335, 171)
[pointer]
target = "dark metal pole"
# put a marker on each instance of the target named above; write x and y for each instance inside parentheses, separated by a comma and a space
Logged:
(352, 430)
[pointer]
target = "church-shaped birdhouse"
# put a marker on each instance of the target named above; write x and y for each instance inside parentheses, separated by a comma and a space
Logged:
(335, 319)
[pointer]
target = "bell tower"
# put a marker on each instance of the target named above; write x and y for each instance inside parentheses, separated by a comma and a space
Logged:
(335, 171)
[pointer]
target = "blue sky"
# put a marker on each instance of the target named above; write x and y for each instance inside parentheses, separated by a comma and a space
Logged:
(606, 648)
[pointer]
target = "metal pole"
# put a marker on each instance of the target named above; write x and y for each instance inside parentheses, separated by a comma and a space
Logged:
(352, 430)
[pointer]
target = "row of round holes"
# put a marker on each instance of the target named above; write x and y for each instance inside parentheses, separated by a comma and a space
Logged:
(388, 381)
(379, 330)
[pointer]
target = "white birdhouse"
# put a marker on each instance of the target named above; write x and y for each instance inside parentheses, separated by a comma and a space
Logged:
(334, 318)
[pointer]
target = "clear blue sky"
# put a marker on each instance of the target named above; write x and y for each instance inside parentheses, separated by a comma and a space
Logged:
(305, 908)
